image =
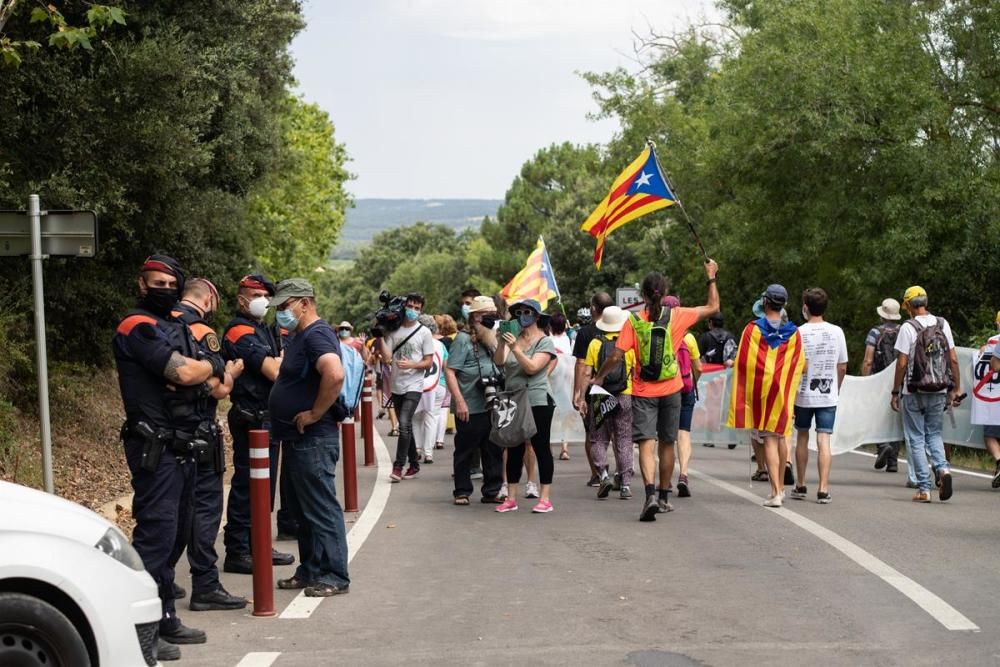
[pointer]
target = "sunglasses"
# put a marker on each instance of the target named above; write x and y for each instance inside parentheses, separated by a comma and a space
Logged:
(520, 312)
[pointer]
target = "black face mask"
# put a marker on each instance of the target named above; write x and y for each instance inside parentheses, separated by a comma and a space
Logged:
(159, 300)
(488, 322)
(208, 317)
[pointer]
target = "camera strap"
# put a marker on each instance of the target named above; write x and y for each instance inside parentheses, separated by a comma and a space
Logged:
(407, 339)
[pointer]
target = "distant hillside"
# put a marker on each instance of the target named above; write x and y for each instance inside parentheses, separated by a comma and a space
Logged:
(371, 216)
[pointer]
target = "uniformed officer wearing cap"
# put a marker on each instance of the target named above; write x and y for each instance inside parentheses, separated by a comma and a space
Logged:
(259, 346)
(155, 365)
(198, 304)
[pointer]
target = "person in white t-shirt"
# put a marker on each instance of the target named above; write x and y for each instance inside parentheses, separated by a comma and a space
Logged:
(826, 365)
(923, 409)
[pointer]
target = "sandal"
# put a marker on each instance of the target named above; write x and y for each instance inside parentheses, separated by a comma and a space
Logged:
(461, 500)
(438, 445)
(760, 476)
(292, 583)
(394, 433)
(564, 455)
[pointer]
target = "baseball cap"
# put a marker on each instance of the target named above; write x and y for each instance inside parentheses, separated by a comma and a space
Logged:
(530, 303)
(482, 304)
(913, 293)
(889, 309)
(776, 294)
(292, 288)
(345, 325)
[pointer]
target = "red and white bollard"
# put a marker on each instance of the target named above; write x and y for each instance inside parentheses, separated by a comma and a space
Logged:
(260, 523)
(367, 422)
(350, 457)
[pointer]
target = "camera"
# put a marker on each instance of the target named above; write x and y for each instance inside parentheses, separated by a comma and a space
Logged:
(491, 386)
(390, 316)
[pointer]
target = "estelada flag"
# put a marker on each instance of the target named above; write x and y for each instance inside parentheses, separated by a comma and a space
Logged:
(638, 190)
(535, 281)
(769, 365)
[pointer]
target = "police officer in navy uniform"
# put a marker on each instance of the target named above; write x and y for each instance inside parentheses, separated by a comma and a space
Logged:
(198, 304)
(259, 347)
(152, 369)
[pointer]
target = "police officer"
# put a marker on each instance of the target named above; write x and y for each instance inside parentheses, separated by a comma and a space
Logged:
(152, 369)
(259, 346)
(198, 304)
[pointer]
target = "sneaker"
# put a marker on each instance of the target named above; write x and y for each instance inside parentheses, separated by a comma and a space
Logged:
(595, 480)
(799, 493)
(650, 509)
(773, 501)
(508, 505)
(544, 506)
(823, 497)
(625, 493)
(996, 477)
(682, 487)
(411, 473)
(428, 458)
(605, 487)
(945, 492)
(664, 505)
(396, 474)
(789, 477)
(922, 497)
(476, 473)
(503, 491)
(883, 456)
(892, 467)
(616, 481)
(531, 490)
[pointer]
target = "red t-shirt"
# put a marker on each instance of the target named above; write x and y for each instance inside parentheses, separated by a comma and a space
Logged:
(681, 319)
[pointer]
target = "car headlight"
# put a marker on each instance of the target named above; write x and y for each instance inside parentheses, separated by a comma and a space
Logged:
(116, 545)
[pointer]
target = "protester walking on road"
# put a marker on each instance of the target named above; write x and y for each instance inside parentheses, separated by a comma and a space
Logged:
(581, 376)
(654, 337)
(432, 397)
(689, 366)
(880, 353)
(616, 424)
(991, 377)
(717, 345)
(925, 385)
(302, 420)
(769, 365)
(825, 349)
(525, 359)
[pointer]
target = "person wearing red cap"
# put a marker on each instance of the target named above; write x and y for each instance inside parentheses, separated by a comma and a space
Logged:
(258, 345)
(157, 372)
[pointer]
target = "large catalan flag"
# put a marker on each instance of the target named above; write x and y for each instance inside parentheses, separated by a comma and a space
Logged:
(535, 281)
(769, 365)
(638, 190)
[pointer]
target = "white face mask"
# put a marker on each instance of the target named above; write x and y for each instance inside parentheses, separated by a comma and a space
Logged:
(257, 307)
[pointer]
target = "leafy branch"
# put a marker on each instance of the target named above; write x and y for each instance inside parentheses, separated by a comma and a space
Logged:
(64, 35)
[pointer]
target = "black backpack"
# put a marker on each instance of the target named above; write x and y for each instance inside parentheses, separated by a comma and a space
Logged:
(616, 381)
(885, 347)
(720, 348)
(929, 370)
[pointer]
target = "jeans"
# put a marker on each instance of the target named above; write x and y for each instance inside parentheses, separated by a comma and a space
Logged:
(473, 437)
(406, 405)
(923, 416)
(322, 536)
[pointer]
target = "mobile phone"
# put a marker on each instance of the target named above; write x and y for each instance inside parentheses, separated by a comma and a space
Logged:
(510, 326)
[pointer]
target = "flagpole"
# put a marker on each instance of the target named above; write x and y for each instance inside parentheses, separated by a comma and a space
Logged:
(687, 218)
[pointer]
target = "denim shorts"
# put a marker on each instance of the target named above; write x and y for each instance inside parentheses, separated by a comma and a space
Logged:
(824, 418)
(687, 410)
(991, 431)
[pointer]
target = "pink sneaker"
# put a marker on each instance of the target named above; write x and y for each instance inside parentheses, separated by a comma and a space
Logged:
(508, 505)
(544, 506)
(396, 475)
(411, 473)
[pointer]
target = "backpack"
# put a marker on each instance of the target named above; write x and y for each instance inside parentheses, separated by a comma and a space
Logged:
(657, 360)
(720, 348)
(354, 376)
(929, 369)
(684, 366)
(885, 348)
(616, 381)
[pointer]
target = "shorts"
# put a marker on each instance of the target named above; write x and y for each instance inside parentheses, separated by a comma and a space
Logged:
(991, 431)
(824, 418)
(687, 410)
(656, 418)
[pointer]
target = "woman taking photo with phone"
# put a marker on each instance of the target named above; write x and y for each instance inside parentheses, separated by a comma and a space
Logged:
(525, 358)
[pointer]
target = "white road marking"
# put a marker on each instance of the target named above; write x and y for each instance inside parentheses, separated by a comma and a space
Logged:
(303, 607)
(258, 659)
(954, 470)
(939, 610)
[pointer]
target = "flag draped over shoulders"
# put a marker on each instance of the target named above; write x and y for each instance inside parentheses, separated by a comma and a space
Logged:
(768, 368)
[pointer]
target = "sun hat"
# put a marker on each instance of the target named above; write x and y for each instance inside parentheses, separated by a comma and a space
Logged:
(530, 303)
(482, 304)
(889, 310)
(345, 325)
(612, 319)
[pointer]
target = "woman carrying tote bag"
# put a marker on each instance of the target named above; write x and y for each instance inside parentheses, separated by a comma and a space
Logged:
(525, 359)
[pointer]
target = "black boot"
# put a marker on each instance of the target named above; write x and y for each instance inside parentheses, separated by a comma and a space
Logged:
(238, 564)
(892, 463)
(220, 599)
(182, 634)
(884, 450)
(165, 651)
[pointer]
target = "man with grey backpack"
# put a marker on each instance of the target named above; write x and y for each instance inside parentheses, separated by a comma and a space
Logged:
(925, 385)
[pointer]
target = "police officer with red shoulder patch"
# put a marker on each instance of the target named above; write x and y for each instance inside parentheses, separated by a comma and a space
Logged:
(199, 301)
(259, 347)
(156, 366)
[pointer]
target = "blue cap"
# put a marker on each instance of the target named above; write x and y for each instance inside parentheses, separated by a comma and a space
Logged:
(776, 294)
(530, 303)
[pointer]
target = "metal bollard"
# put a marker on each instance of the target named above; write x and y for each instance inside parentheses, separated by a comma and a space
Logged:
(367, 422)
(260, 523)
(350, 457)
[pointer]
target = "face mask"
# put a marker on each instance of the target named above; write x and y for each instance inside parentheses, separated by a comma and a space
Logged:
(286, 319)
(526, 320)
(209, 316)
(488, 322)
(257, 307)
(411, 314)
(159, 300)
(465, 311)
(344, 333)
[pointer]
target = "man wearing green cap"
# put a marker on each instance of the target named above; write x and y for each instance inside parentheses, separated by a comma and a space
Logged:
(300, 405)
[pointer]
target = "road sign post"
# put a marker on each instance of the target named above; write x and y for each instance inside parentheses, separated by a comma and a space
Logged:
(72, 233)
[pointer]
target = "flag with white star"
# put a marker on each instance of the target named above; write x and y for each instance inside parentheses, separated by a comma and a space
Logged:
(639, 190)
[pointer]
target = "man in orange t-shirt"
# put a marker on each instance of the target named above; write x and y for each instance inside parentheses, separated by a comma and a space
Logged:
(656, 405)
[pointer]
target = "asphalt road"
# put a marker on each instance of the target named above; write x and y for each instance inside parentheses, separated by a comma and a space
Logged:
(871, 578)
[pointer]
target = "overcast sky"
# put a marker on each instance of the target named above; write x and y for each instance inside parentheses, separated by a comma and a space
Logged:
(448, 98)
